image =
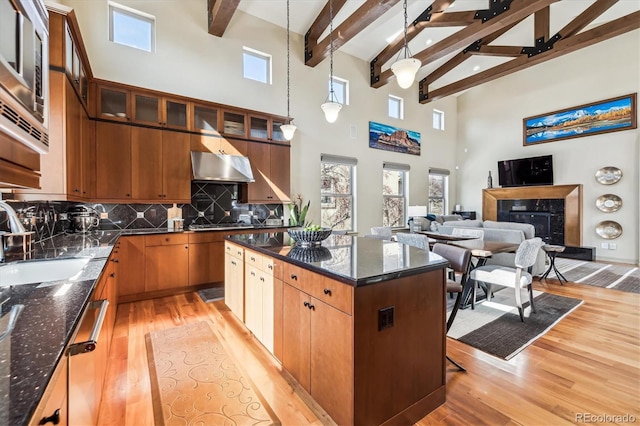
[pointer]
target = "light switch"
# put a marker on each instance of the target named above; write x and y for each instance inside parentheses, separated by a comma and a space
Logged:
(604, 245)
(613, 246)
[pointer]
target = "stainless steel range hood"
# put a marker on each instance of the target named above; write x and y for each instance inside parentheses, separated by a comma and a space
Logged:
(208, 166)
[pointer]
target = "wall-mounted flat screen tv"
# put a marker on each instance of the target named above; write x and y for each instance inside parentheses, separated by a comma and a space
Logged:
(526, 171)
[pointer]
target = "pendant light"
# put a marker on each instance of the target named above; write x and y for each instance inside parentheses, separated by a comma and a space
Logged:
(331, 106)
(405, 69)
(288, 129)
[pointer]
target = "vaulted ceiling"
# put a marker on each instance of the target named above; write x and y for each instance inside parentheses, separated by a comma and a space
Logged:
(460, 43)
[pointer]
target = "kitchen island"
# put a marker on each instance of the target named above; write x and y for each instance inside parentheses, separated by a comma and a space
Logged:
(358, 322)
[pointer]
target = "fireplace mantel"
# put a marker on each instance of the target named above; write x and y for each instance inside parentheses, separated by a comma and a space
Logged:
(572, 195)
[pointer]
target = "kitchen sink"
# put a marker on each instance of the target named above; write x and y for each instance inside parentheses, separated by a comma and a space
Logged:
(37, 271)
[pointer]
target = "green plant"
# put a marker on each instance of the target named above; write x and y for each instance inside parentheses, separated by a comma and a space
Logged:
(298, 212)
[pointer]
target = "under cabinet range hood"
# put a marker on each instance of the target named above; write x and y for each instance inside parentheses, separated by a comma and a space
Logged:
(208, 166)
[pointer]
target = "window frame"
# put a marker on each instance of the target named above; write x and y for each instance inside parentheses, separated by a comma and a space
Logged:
(344, 161)
(135, 14)
(259, 55)
(445, 191)
(399, 109)
(344, 83)
(440, 119)
(396, 167)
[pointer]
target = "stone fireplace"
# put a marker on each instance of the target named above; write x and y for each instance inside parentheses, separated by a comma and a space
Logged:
(555, 210)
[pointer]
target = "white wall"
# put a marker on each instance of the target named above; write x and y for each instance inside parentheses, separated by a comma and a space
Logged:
(188, 61)
(490, 129)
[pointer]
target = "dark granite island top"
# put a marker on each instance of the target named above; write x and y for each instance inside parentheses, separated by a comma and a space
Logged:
(350, 259)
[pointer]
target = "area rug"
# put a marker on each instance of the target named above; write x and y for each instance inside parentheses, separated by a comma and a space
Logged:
(623, 278)
(495, 327)
(211, 294)
(194, 381)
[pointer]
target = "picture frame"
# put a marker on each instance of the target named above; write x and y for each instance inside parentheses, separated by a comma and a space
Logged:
(609, 115)
(391, 138)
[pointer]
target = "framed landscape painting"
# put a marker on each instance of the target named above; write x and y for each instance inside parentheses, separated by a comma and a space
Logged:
(610, 115)
(389, 138)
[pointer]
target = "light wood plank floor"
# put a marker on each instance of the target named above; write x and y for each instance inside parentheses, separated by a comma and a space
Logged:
(589, 363)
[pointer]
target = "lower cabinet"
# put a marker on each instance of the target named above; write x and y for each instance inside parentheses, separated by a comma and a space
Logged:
(206, 258)
(53, 408)
(166, 262)
(258, 317)
(317, 351)
(234, 279)
(129, 260)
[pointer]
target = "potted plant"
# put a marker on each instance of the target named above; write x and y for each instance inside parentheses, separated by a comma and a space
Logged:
(298, 212)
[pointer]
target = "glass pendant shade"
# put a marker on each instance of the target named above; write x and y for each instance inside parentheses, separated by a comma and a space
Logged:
(288, 130)
(405, 71)
(331, 110)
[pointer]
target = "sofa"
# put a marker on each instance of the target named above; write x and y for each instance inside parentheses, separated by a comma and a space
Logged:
(509, 232)
(428, 223)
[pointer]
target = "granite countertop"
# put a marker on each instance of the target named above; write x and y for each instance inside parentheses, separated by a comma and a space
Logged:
(30, 354)
(350, 259)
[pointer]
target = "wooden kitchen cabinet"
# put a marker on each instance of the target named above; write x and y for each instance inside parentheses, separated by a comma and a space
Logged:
(154, 110)
(113, 168)
(317, 341)
(233, 123)
(166, 262)
(130, 271)
(218, 145)
(271, 170)
(259, 297)
(206, 258)
(55, 398)
(113, 102)
(266, 128)
(234, 279)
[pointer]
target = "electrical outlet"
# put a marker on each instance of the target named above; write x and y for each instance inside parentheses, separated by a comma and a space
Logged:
(140, 215)
(604, 245)
(613, 246)
(104, 215)
(385, 318)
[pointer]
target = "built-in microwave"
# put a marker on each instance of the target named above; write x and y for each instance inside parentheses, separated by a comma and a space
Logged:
(24, 76)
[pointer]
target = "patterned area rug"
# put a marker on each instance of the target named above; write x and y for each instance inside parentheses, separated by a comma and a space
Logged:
(623, 278)
(495, 327)
(195, 382)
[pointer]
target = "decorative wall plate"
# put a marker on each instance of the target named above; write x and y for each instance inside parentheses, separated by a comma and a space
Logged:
(608, 203)
(608, 229)
(608, 175)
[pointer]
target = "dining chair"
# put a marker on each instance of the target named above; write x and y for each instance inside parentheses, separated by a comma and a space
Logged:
(385, 231)
(460, 262)
(517, 277)
(415, 240)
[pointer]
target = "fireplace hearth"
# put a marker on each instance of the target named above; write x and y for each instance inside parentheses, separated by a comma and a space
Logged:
(555, 211)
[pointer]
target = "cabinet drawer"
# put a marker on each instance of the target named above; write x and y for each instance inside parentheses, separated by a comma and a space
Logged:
(253, 258)
(206, 237)
(234, 250)
(165, 239)
(332, 292)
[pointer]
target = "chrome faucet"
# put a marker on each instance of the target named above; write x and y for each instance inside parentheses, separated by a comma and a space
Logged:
(14, 224)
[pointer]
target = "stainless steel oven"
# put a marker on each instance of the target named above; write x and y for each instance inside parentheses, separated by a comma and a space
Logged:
(24, 77)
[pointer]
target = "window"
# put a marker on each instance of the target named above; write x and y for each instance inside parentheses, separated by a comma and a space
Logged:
(438, 191)
(341, 89)
(131, 27)
(396, 107)
(256, 65)
(394, 190)
(337, 198)
(438, 119)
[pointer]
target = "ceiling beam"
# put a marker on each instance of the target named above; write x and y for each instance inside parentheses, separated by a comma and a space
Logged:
(219, 14)
(586, 17)
(463, 56)
(432, 16)
(518, 10)
(564, 46)
(508, 51)
(366, 14)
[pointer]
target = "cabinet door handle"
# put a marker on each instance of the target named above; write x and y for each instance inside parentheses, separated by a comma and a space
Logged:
(327, 291)
(294, 277)
(54, 418)
(312, 307)
(253, 259)
(262, 279)
(253, 274)
(233, 262)
(270, 266)
(112, 275)
(306, 304)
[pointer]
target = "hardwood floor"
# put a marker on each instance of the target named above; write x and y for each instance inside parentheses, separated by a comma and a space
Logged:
(588, 364)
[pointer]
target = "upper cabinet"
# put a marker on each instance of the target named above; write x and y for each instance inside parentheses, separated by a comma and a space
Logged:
(113, 103)
(266, 128)
(154, 110)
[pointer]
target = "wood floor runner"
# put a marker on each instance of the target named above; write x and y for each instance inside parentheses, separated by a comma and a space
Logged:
(195, 381)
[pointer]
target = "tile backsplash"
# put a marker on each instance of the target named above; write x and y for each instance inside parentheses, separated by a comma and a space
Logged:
(210, 203)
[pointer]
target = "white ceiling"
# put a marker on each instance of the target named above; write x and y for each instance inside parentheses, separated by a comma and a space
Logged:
(368, 43)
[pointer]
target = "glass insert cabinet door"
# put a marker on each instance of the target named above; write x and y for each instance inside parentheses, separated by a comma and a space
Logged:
(175, 113)
(146, 109)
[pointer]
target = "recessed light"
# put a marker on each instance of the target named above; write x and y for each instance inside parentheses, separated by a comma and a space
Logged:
(429, 41)
(476, 68)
